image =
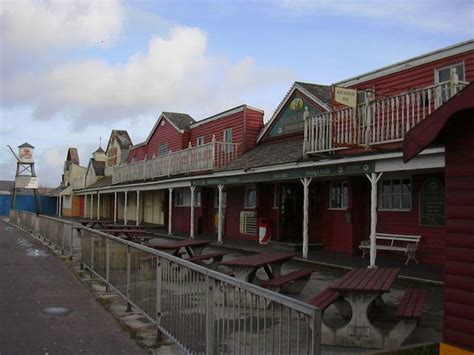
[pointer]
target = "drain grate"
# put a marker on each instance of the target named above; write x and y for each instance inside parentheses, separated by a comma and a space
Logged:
(57, 311)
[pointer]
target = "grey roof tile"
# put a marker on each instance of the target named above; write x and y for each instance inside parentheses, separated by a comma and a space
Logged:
(181, 120)
(322, 92)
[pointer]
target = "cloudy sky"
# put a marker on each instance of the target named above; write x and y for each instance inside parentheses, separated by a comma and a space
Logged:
(71, 71)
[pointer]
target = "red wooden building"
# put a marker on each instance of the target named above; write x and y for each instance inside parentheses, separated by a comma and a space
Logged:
(452, 125)
(306, 170)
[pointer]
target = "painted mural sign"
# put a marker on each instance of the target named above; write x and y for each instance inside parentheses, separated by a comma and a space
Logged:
(26, 182)
(432, 203)
(291, 119)
(335, 170)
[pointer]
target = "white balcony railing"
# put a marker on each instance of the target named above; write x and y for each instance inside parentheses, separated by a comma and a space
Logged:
(381, 121)
(208, 156)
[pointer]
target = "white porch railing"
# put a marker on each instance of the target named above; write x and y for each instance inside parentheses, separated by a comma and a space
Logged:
(208, 156)
(381, 121)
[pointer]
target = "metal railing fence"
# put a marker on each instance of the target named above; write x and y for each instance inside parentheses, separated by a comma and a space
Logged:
(59, 232)
(201, 310)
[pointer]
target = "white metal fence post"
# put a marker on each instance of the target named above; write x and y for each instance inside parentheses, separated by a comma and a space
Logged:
(209, 316)
(129, 267)
(373, 178)
(170, 210)
(306, 182)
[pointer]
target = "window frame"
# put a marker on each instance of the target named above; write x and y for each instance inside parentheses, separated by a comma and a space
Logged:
(199, 141)
(159, 149)
(341, 183)
(276, 196)
(216, 198)
(184, 200)
(246, 197)
(381, 194)
(227, 148)
(437, 70)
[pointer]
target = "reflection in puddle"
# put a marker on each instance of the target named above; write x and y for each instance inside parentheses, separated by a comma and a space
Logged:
(57, 311)
(36, 252)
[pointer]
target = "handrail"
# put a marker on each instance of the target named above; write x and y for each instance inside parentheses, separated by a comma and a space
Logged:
(201, 310)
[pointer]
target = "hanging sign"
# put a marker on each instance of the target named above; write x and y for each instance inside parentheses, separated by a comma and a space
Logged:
(345, 96)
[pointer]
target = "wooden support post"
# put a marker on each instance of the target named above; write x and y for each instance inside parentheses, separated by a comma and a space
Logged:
(98, 206)
(191, 224)
(115, 207)
(170, 210)
(60, 206)
(125, 209)
(220, 216)
(84, 215)
(306, 182)
(137, 212)
(373, 178)
(92, 206)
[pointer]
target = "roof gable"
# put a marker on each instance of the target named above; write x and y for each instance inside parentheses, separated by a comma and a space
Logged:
(179, 121)
(97, 167)
(72, 156)
(288, 116)
(121, 137)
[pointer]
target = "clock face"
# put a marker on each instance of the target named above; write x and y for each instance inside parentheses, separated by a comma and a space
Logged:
(296, 104)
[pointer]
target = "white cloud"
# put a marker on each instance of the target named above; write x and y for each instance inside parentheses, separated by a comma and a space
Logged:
(38, 25)
(454, 16)
(174, 73)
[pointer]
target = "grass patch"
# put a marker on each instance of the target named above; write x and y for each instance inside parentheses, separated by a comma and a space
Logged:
(104, 301)
(133, 333)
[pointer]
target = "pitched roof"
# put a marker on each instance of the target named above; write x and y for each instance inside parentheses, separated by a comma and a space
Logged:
(98, 166)
(104, 182)
(270, 153)
(311, 90)
(99, 150)
(181, 120)
(122, 138)
(25, 145)
(428, 130)
(72, 155)
(322, 92)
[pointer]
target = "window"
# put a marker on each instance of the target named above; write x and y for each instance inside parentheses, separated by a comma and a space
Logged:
(338, 195)
(200, 140)
(444, 76)
(395, 194)
(216, 198)
(182, 198)
(163, 149)
(227, 138)
(197, 198)
(250, 198)
(276, 196)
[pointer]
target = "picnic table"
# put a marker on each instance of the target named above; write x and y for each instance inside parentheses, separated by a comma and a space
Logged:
(360, 288)
(130, 234)
(192, 247)
(121, 226)
(245, 268)
(91, 223)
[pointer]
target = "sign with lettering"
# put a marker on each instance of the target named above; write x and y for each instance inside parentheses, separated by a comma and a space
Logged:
(291, 118)
(333, 170)
(345, 96)
(26, 182)
(432, 203)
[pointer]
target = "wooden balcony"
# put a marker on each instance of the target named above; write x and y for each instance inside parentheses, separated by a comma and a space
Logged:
(205, 157)
(380, 121)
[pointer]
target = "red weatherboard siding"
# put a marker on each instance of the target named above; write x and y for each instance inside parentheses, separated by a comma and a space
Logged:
(137, 154)
(433, 241)
(166, 134)
(417, 77)
(254, 124)
(459, 274)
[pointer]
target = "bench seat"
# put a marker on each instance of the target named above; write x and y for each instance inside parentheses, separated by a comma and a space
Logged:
(411, 304)
(406, 244)
(297, 279)
(324, 298)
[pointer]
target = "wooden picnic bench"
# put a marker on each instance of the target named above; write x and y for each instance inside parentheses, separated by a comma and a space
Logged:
(215, 259)
(192, 247)
(292, 283)
(406, 244)
(246, 267)
(92, 223)
(134, 235)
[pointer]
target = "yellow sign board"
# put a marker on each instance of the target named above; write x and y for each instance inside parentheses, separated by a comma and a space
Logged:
(345, 96)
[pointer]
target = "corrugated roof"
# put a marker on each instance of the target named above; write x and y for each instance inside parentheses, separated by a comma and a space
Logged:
(322, 92)
(180, 120)
(270, 153)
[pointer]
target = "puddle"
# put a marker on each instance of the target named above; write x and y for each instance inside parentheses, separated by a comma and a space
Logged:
(8, 229)
(36, 252)
(57, 311)
(24, 243)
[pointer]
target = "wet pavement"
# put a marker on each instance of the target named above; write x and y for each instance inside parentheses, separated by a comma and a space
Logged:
(44, 309)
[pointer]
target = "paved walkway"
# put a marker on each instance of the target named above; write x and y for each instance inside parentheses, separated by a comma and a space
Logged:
(31, 279)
